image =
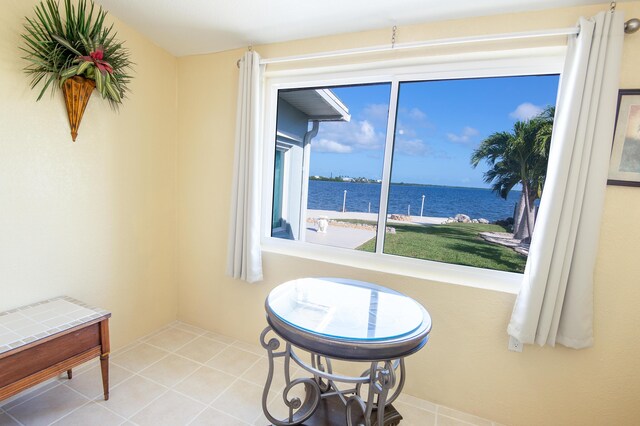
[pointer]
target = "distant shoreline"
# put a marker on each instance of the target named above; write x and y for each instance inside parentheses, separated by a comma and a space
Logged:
(371, 181)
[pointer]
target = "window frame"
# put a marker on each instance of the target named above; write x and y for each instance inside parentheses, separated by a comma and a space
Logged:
(522, 62)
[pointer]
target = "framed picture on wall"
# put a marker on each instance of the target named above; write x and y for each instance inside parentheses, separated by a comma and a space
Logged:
(624, 168)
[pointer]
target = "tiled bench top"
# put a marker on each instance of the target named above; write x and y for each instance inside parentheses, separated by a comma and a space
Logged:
(29, 323)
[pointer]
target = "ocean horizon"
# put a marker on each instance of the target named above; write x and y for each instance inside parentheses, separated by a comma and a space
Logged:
(406, 198)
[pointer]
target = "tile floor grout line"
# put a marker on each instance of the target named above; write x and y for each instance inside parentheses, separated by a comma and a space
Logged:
(231, 415)
(72, 411)
(225, 412)
(402, 400)
(171, 388)
(225, 390)
(181, 356)
(128, 418)
(115, 362)
(247, 351)
(168, 350)
(96, 401)
(36, 392)
(14, 419)
(148, 366)
(206, 407)
(247, 369)
(200, 402)
(204, 334)
(204, 364)
(201, 333)
(179, 347)
(150, 402)
(218, 340)
(262, 354)
(474, 423)
(457, 420)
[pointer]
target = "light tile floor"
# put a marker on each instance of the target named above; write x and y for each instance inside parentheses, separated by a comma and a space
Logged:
(180, 375)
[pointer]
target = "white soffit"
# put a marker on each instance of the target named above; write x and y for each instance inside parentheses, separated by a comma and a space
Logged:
(317, 104)
(190, 27)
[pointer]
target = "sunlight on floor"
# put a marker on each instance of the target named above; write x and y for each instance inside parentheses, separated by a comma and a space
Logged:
(179, 375)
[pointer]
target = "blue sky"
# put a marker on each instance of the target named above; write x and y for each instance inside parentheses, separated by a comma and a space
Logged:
(439, 124)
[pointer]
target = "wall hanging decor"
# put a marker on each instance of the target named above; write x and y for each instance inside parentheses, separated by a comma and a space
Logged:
(624, 168)
(76, 52)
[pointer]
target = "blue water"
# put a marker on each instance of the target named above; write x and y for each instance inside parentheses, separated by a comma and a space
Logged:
(440, 201)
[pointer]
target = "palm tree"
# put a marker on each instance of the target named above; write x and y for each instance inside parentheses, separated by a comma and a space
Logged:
(519, 156)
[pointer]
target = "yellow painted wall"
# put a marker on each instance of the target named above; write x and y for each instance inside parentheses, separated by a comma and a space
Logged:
(95, 219)
(466, 364)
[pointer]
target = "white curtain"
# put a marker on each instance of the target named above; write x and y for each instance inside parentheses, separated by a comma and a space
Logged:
(555, 303)
(244, 259)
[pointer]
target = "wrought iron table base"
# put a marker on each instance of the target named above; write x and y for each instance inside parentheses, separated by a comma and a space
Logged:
(381, 378)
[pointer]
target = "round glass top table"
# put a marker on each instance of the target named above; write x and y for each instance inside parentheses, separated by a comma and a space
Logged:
(335, 318)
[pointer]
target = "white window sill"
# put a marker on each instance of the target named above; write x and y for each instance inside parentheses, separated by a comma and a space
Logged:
(506, 282)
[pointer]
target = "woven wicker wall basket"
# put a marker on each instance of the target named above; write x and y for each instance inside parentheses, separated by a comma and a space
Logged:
(77, 91)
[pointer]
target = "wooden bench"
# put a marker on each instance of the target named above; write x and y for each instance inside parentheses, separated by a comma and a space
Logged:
(42, 340)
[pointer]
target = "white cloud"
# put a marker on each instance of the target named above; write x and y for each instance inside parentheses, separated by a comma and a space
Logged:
(467, 134)
(417, 114)
(348, 137)
(326, 145)
(412, 122)
(366, 134)
(413, 147)
(376, 112)
(525, 111)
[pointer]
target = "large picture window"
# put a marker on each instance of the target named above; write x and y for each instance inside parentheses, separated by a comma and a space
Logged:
(449, 170)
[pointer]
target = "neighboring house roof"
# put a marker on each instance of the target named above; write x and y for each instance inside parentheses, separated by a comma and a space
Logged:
(317, 104)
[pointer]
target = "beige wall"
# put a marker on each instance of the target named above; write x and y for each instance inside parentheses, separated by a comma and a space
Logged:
(466, 364)
(95, 219)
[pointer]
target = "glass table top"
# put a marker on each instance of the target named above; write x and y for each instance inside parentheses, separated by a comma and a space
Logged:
(346, 309)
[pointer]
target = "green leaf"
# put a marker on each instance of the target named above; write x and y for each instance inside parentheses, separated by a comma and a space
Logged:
(99, 81)
(111, 90)
(84, 65)
(66, 44)
(44, 89)
(69, 72)
(87, 43)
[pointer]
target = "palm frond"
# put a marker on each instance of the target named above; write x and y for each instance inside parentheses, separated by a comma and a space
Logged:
(518, 156)
(54, 40)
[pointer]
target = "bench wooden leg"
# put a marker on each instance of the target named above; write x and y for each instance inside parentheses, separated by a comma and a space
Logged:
(104, 366)
(104, 357)
(69, 374)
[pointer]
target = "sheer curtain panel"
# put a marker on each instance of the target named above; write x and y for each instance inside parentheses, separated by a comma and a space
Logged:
(244, 256)
(555, 303)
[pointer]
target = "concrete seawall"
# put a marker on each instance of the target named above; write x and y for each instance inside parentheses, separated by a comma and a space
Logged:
(331, 214)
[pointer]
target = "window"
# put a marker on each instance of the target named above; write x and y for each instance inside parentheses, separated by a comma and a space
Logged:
(439, 161)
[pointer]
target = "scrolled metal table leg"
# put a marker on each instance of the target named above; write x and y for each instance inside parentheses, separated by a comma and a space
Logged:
(299, 411)
(381, 380)
(317, 363)
(400, 381)
(385, 380)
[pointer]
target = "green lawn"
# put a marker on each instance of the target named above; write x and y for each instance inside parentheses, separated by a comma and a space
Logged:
(457, 243)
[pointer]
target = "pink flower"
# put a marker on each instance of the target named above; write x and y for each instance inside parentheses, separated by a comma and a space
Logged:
(97, 58)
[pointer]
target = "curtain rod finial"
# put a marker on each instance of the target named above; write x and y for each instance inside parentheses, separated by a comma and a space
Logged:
(632, 26)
